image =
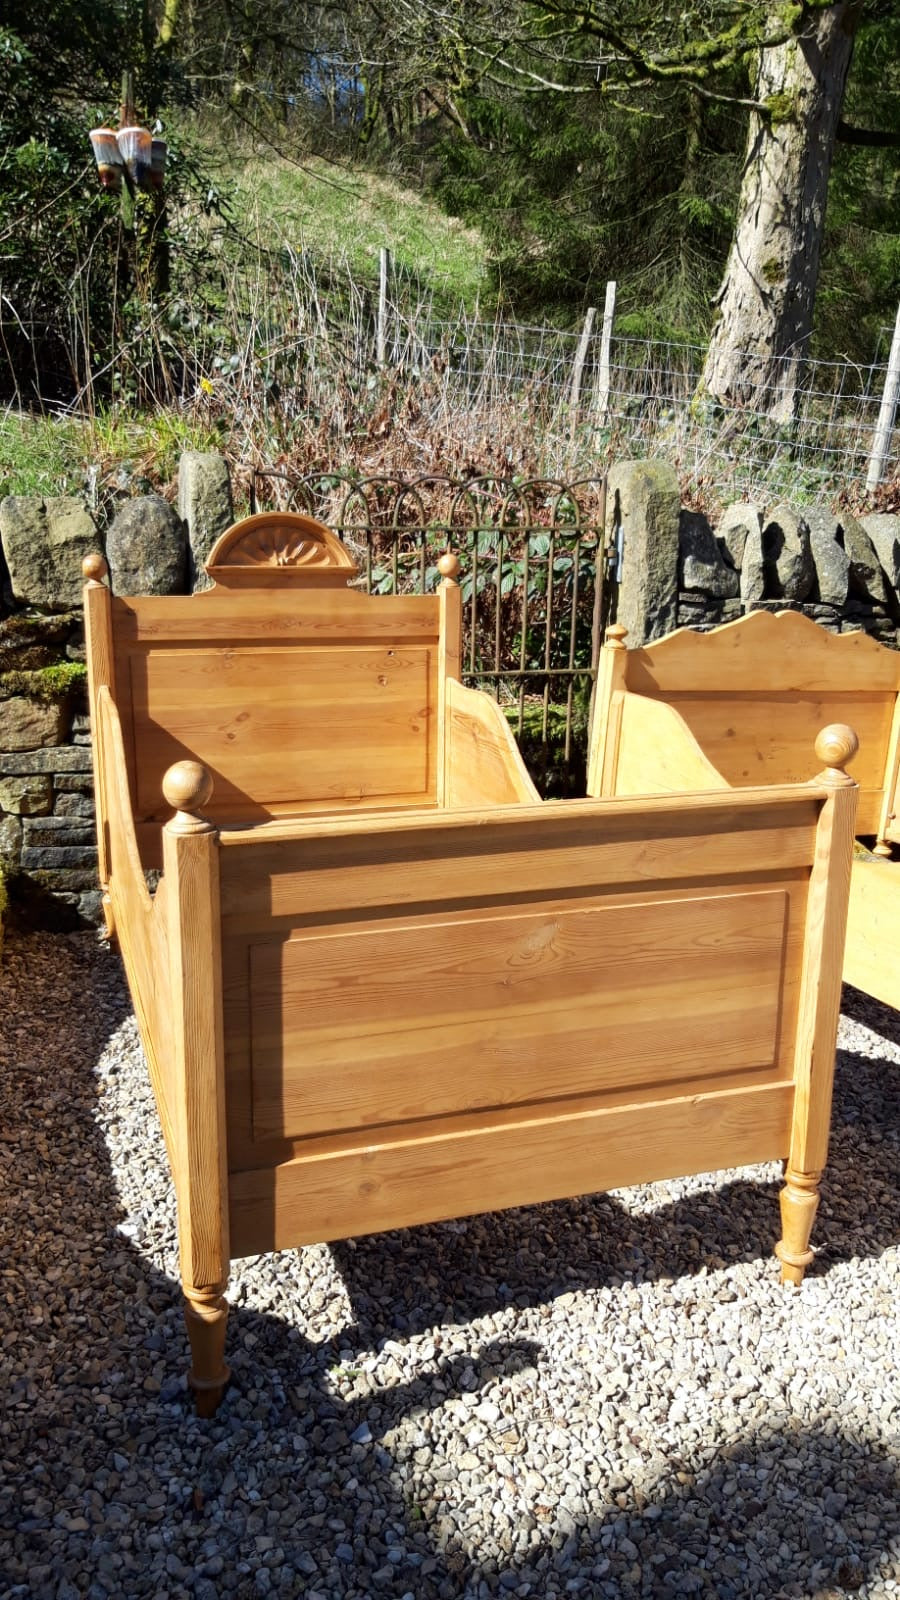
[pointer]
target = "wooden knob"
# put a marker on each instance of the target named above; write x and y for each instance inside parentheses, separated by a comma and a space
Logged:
(836, 745)
(188, 786)
(94, 567)
(616, 635)
(448, 565)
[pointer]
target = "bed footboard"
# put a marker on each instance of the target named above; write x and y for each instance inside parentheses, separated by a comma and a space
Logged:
(431, 1016)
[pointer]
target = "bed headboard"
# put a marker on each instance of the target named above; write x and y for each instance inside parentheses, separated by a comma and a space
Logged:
(755, 692)
(293, 690)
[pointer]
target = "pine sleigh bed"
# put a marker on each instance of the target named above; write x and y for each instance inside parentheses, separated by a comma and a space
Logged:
(379, 983)
(739, 705)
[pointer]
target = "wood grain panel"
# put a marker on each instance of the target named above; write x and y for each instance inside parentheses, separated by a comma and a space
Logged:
(288, 724)
(754, 737)
(308, 616)
(657, 752)
(141, 922)
(484, 766)
(417, 859)
(509, 1009)
(393, 1182)
(782, 654)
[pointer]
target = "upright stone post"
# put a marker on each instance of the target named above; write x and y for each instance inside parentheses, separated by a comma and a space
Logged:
(643, 504)
(204, 505)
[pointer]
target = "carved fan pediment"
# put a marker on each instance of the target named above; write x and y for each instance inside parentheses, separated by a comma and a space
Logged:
(279, 547)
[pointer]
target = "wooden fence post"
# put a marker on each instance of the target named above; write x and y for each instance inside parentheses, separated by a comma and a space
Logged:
(881, 443)
(601, 406)
(580, 358)
(384, 269)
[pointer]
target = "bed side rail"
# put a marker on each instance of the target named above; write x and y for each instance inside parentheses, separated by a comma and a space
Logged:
(648, 748)
(482, 763)
(139, 919)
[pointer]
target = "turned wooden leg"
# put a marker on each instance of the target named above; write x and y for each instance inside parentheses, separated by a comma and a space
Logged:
(206, 1316)
(108, 918)
(799, 1204)
(882, 848)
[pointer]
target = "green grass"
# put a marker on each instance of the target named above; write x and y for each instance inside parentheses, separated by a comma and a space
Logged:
(335, 211)
(50, 456)
(41, 457)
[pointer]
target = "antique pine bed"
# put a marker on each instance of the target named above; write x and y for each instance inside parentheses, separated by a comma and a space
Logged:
(379, 983)
(739, 705)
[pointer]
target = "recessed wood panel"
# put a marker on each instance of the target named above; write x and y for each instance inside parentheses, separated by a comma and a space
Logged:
(364, 1028)
(288, 724)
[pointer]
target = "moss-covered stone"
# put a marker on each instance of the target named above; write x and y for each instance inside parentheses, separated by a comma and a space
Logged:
(24, 657)
(54, 682)
(32, 625)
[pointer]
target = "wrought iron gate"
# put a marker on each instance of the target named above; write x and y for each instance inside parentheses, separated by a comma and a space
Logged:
(534, 582)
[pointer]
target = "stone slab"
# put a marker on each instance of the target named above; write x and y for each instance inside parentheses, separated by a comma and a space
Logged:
(703, 566)
(57, 831)
(61, 758)
(204, 505)
(30, 796)
(884, 531)
(10, 837)
(45, 542)
(790, 571)
(644, 499)
(71, 805)
(736, 524)
(867, 581)
(146, 547)
(831, 560)
(28, 724)
(49, 857)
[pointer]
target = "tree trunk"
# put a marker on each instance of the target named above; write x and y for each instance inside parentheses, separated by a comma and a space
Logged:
(765, 303)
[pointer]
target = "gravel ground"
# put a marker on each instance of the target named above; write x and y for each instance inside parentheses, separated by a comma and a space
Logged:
(607, 1397)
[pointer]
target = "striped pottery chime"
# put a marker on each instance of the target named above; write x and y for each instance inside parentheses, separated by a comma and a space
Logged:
(108, 157)
(133, 150)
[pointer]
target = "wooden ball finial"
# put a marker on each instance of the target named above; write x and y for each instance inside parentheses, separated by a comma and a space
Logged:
(836, 745)
(616, 635)
(94, 568)
(448, 566)
(187, 786)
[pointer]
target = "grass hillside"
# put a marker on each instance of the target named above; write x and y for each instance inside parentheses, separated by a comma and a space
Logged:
(331, 210)
(325, 216)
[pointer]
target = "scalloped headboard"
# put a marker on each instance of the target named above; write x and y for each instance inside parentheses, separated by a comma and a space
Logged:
(756, 692)
(297, 692)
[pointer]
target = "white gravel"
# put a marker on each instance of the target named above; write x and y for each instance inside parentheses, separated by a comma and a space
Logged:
(606, 1397)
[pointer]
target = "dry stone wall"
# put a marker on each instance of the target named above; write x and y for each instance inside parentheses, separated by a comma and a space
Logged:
(48, 857)
(678, 568)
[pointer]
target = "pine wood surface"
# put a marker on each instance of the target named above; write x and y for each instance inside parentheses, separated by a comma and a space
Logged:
(403, 1182)
(380, 983)
(741, 705)
(872, 960)
(483, 763)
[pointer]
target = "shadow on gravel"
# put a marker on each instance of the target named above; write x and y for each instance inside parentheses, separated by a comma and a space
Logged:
(513, 1257)
(109, 1486)
(721, 1530)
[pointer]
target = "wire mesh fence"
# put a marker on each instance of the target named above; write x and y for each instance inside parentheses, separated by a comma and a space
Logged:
(334, 340)
(533, 582)
(646, 400)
